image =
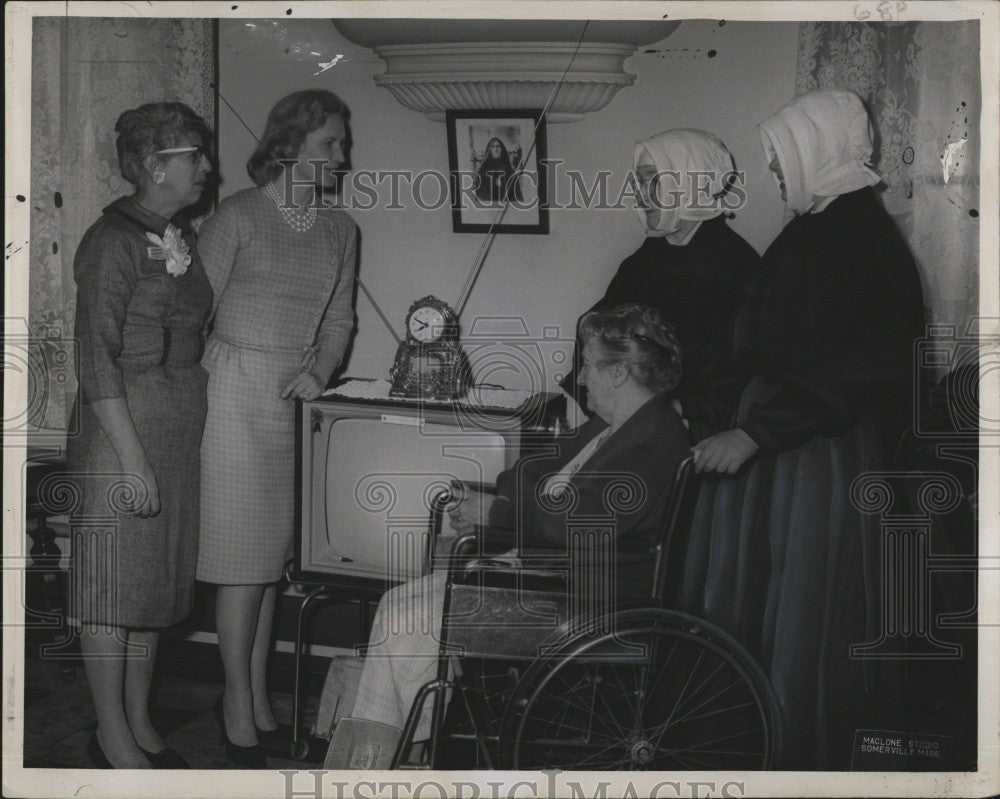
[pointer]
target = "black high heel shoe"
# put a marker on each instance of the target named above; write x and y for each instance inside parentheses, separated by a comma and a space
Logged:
(245, 756)
(277, 740)
(96, 755)
(166, 759)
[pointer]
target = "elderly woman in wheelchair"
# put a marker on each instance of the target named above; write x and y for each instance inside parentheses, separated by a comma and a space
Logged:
(570, 537)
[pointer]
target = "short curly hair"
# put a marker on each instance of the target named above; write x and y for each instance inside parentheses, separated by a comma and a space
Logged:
(151, 127)
(637, 336)
(292, 119)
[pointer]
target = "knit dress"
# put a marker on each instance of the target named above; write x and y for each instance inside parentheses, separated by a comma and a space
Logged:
(282, 295)
(139, 332)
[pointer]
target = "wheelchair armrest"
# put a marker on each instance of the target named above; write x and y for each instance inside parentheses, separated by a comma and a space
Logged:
(439, 502)
(547, 581)
(462, 549)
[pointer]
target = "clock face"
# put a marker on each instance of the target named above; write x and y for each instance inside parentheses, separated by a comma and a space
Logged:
(429, 361)
(426, 323)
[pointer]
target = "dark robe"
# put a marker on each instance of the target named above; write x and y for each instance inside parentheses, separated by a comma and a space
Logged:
(496, 178)
(779, 555)
(831, 317)
(696, 288)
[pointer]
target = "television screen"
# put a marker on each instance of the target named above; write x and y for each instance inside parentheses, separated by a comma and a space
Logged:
(369, 480)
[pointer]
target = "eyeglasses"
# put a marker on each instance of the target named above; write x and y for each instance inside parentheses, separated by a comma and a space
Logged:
(598, 364)
(198, 152)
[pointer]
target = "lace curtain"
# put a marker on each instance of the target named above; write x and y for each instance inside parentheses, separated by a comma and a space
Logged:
(920, 81)
(85, 72)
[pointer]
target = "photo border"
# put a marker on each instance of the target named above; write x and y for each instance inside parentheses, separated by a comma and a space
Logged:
(538, 151)
(19, 781)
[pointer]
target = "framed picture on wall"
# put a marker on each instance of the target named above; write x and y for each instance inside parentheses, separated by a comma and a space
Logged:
(496, 160)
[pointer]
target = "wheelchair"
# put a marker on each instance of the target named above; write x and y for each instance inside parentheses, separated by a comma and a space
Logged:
(537, 684)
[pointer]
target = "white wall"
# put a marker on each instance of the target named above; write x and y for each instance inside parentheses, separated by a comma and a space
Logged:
(547, 280)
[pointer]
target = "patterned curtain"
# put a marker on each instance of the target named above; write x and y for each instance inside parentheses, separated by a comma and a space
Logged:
(85, 72)
(920, 81)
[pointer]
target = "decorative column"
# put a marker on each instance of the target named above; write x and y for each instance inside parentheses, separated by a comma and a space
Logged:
(906, 621)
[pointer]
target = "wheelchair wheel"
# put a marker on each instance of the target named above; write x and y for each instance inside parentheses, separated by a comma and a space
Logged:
(654, 690)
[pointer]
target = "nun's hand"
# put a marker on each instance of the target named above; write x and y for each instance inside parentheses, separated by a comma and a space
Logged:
(305, 385)
(724, 452)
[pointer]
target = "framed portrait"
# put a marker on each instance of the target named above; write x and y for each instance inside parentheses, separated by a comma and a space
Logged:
(496, 162)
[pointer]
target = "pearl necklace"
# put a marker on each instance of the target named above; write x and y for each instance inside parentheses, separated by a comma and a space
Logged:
(300, 224)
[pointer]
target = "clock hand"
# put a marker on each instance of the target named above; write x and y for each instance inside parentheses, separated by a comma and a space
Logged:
(422, 324)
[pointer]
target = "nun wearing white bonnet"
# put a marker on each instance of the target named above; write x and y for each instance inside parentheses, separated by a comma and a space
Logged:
(824, 334)
(691, 266)
(823, 144)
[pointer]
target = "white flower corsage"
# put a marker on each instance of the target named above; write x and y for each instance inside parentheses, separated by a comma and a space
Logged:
(171, 248)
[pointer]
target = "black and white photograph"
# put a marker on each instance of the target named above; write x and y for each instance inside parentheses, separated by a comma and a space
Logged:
(495, 180)
(490, 402)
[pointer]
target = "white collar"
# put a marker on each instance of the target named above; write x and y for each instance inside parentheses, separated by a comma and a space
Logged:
(821, 204)
(682, 239)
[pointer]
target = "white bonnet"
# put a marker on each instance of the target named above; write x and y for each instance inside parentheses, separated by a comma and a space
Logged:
(823, 141)
(700, 167)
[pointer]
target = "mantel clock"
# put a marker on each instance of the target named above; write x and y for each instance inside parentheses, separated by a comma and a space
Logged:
(429, 361)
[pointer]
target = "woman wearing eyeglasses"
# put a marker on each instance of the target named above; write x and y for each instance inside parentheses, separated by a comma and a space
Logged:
(142, 303)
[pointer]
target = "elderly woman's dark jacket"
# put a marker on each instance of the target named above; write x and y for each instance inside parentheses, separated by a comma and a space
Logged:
(618, 496)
